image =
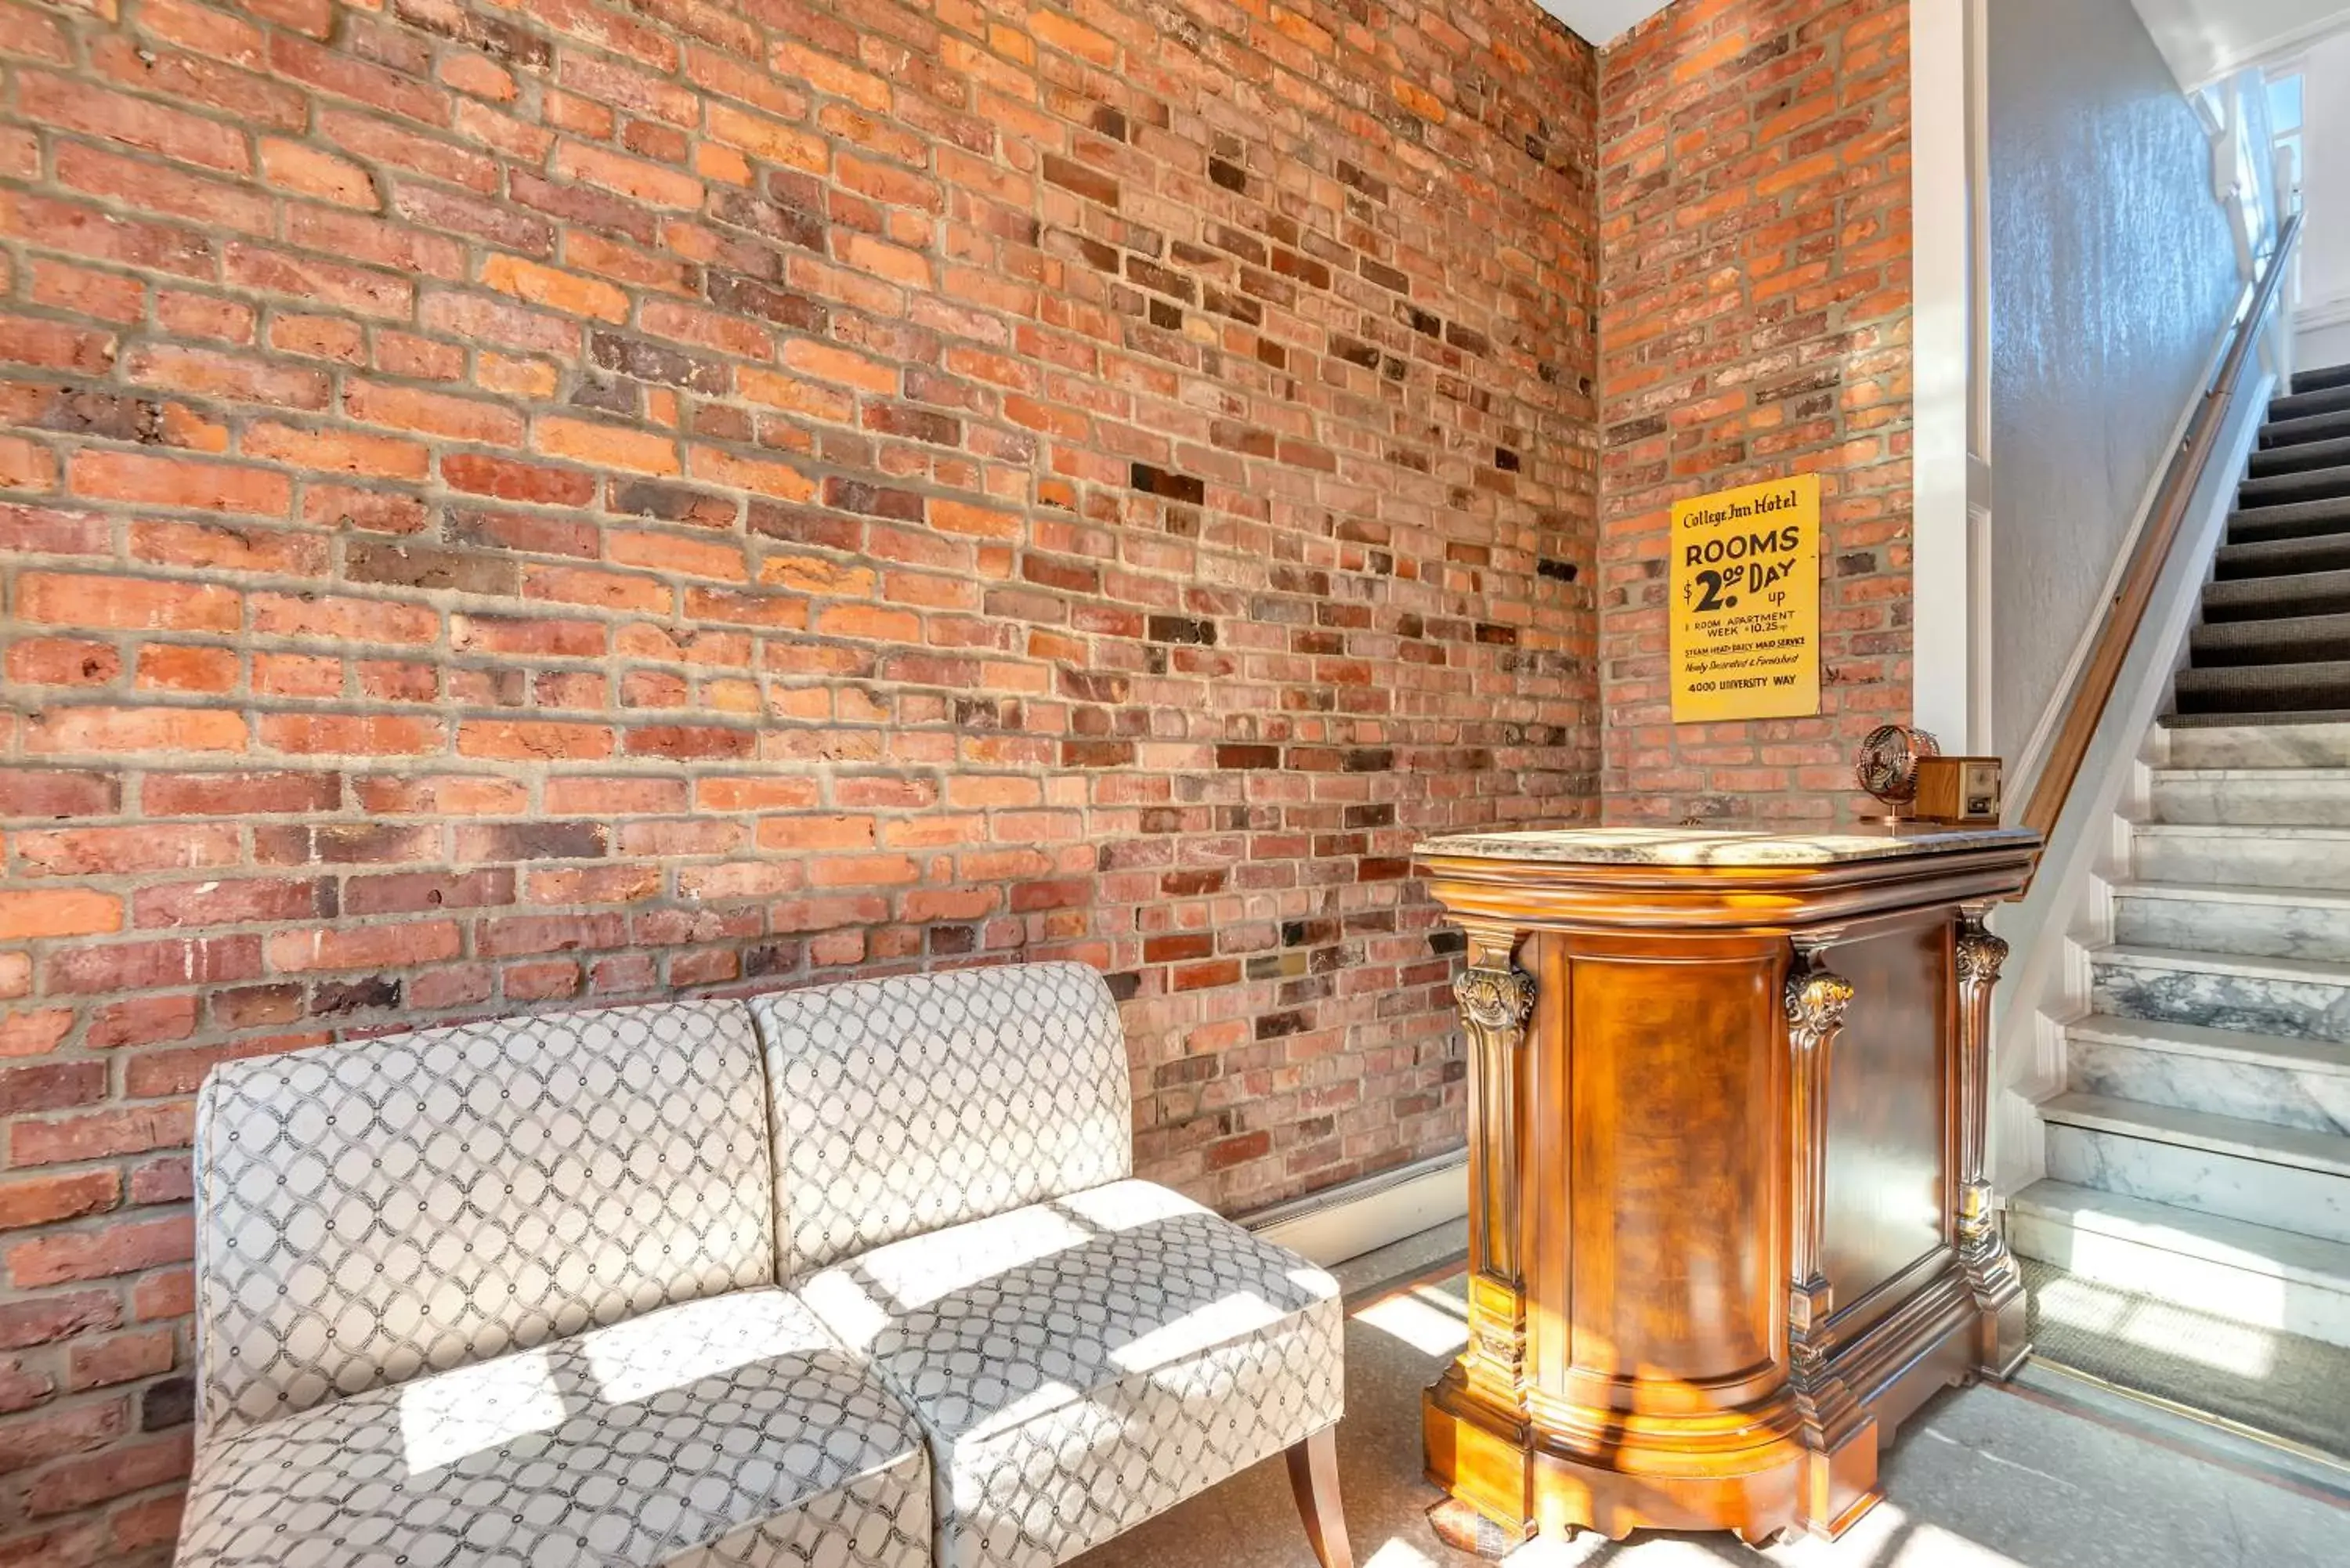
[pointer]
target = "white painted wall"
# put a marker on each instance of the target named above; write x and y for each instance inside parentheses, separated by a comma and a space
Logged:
(1600, 21)
(2324, 318)
(2206, 39)
(2114, 271)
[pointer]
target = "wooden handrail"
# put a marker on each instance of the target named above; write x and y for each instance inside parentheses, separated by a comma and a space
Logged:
(2085, 708)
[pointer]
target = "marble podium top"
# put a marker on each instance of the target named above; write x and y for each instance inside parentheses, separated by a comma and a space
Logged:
(1714, 847)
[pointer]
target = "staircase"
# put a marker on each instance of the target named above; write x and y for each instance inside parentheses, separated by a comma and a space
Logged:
(2200, 1153)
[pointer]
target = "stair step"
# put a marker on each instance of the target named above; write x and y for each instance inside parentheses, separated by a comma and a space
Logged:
(2283, 557)
(2300, 457)
(2263, 688)
(2309, 427)
(2287, 1149)
(2231, 721)
(2300, 405)
(2306, 484)
(2303, 998)
(2318, 378)
(2243, 1272)
(2290, 520)
(2256, 854)
(2287, 639)
(2271, 599)
(2226, 918)
(2327, 1057)
(2272, 1175)
(2264, 1078)
(2284, 797)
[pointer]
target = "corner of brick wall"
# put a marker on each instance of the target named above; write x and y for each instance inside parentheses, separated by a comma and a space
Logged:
(507, 506)
(1755, 322)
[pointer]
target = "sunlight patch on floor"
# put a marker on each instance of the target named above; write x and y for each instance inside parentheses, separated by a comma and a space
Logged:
(2235, 1348)
(1427, 1320)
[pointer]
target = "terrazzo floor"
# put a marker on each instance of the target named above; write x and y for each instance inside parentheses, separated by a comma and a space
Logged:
(2021, 1477)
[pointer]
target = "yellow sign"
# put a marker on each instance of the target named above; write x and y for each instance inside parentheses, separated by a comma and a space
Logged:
(1746, 602)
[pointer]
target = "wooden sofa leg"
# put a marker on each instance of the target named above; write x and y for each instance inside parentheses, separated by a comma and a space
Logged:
(1314, 1477)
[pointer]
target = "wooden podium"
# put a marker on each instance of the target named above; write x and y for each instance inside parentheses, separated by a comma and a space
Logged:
(1729, 1223)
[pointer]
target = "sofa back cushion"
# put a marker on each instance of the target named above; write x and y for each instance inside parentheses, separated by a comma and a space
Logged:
(373, 1211)
(904, 1105)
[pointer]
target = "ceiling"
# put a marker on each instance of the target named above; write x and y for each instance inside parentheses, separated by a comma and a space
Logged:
(1599, 21)
(2206, 39)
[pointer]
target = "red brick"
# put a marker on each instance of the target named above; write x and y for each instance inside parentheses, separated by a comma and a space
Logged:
(121, 1470)
(39, 1320)
(76, 1429)
(58, 912)
(363, 947)
(126, 1247)
(93, 110)
(119, 1358)
(45, 1199)
(105, 475)
(55, 346)
(98, 1133)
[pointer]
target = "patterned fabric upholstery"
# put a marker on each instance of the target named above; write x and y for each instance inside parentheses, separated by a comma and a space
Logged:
(372, 1210)
(1082, 1365)
(904, 1105)
(730, 1431)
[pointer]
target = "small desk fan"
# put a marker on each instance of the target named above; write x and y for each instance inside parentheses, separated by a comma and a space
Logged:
(1888, 768)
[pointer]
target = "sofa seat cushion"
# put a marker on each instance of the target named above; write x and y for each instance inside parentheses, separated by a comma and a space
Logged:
(731, 1430)
(1083, 1364)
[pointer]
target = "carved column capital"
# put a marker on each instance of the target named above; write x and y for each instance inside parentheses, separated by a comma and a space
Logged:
(1815, 999)
(1980, 954)
(1495, 999)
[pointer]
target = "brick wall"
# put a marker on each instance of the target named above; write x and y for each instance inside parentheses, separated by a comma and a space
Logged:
(1754, 322)
(558, 504)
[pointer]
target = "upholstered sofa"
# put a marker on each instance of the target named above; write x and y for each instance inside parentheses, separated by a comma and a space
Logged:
(855, 1275)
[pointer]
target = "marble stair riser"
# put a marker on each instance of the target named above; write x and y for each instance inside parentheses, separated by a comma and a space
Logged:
(2238, 1295)
(2244, 860)
(2262, 746)
(2318, 800)
(2311, 1100)
(2311, 1202)
(2228, 926)
(2301, 1009)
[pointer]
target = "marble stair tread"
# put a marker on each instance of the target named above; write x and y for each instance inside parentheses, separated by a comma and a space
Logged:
(2242, 966)
(2325, 1153)
(2277, 773)
(2311, 832)
(2280, 1050)
(2210, 1237)
(2235, 892)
